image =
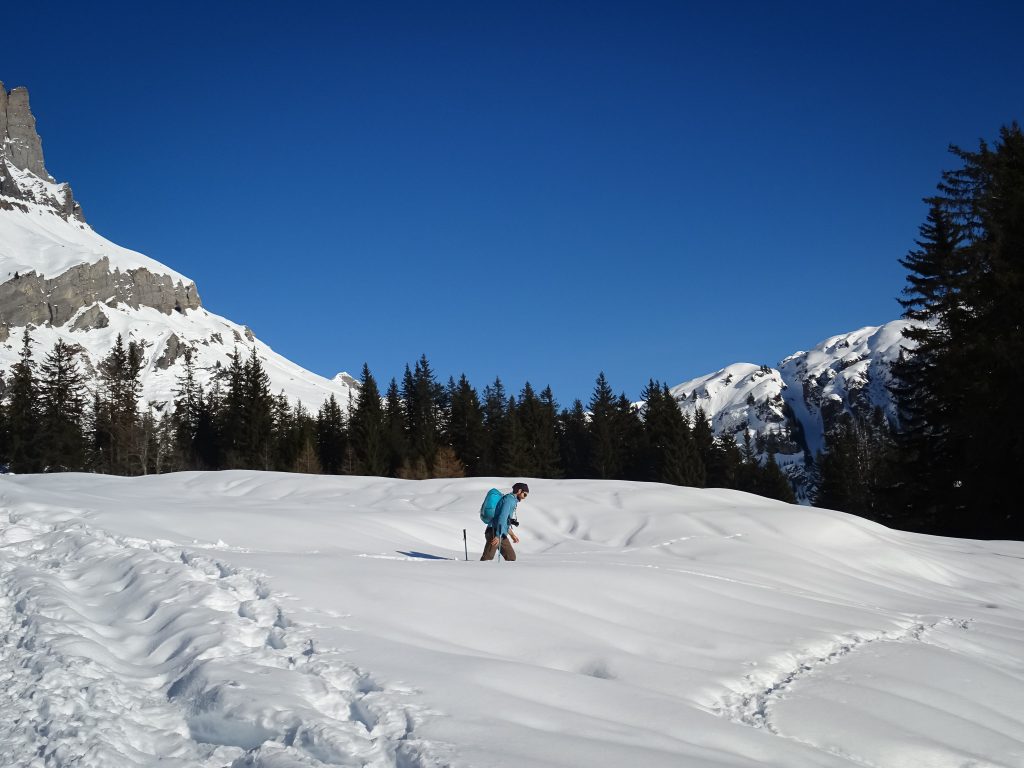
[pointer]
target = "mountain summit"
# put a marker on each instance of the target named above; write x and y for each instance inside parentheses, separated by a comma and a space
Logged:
(61, 280)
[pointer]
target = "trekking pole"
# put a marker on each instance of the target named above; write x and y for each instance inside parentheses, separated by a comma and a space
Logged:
(465, 544)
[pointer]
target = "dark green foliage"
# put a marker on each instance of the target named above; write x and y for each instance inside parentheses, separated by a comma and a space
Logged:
(467, 434)
(23, 410)
(119, 442)
(330, 437)
(574, 436)
(62, 401)
(395, 430)
(604, 443)
(424, 403)
(957, 386)
(856, 473)
(366, 428)
(496, 427)
(247, 414)
(772, 482)
(671, 454)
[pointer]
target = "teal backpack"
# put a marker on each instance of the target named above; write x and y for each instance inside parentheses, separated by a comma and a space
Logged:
(490, 505)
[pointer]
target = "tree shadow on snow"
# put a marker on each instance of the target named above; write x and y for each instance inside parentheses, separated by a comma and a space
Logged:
(423, 555)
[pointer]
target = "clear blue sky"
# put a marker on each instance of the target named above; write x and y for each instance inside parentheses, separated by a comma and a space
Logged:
(539, 191)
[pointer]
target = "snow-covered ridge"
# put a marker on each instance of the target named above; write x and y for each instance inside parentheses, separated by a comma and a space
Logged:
(797, 402)
(262, 619)
(39, 240)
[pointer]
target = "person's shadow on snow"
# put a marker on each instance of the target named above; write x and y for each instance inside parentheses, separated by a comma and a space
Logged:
(423, 555)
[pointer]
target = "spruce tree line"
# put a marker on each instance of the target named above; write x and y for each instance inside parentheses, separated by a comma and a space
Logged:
(418, 428)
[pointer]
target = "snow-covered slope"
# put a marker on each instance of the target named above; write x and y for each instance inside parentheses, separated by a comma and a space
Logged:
(60, 279)
(797, 402)
(259, 619)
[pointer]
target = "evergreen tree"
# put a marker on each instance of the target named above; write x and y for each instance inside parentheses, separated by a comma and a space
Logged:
(574, 441)
(466, 432)
(604, 442)
(117, 428)
(424, 401)
(855, 474)
(188, 398)
(514, 448)
(23, 409)
(330, 437)
(966, 280)
(671, 452)
(773, 483)
(630, 439)
(62, 408)
(366, 427)
(543, 432)
(247, 414)
(496, 427)
(395, 430)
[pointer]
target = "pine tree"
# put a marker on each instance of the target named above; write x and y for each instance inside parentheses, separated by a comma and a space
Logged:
(514, 448)
(670, 450)
(967, 283)
(62, 408)
(366, 427)
(496, 428)
(23, 409)
(330, 438)
(773, 483)
(424, 401)
(117, 424)
(604, 440)
(574, 441)
(247, 414)
(466, 432)
(395, 430)
(188, 398)
(630, 439)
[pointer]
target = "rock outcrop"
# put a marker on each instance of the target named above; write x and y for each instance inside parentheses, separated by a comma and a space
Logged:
(31, 299)
(22, 144)
(21, 148)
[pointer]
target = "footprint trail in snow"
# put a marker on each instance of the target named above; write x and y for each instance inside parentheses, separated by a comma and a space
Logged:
(118, 651)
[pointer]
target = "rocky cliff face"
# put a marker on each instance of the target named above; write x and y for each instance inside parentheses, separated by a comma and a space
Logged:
(21, 149)
(31, 299)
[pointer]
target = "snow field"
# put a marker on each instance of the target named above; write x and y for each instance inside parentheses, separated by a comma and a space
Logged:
(118, 652)
(247, 618)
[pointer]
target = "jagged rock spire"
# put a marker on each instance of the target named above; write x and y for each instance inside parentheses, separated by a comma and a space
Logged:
(21, 149)
(21, 143)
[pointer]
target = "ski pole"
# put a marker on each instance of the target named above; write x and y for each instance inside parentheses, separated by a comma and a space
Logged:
(465, 544)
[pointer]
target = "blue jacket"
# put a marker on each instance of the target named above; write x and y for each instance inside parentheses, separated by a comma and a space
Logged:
(503, 513)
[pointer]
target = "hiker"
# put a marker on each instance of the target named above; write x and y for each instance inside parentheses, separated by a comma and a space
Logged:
(498, 530)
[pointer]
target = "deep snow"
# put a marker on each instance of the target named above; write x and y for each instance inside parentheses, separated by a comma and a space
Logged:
(245, 618)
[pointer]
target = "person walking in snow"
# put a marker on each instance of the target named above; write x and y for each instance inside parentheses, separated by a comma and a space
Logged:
(499, 532)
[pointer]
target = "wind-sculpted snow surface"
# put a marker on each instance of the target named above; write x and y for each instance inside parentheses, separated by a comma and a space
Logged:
(257, 619)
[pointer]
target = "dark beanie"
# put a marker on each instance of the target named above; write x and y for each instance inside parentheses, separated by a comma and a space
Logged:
(520, 487)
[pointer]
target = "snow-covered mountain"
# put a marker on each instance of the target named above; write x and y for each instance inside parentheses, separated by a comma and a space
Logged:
(793, 405)
(61, 279)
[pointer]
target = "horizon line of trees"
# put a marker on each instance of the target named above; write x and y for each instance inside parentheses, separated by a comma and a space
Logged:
(416, 429)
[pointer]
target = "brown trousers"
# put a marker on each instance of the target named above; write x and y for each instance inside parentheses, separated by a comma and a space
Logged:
(491, 547)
